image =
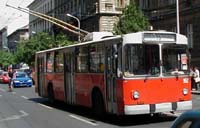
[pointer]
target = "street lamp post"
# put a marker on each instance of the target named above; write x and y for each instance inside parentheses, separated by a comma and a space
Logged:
(79, 25)
(177, 16)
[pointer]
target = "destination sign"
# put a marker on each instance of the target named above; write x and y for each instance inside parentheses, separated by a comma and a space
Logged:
(159, 37)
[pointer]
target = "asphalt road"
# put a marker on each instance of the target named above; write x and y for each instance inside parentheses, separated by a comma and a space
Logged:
(22, 108)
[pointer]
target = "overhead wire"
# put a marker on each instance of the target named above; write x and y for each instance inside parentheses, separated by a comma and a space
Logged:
(44, 18)
(57, 20)
(54, 19)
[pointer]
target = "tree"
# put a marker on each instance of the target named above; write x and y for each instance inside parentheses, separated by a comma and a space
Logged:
(131, 20)
(26, 49)
(6, 58)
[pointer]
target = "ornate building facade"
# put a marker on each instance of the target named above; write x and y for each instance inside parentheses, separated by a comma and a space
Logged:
(94, 15)
(162, 15)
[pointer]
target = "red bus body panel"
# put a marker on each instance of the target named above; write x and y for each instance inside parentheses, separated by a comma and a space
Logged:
(84, 83)
(155, 90)
(152, 91)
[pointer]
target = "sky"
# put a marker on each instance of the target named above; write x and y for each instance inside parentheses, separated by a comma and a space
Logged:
(13, 18)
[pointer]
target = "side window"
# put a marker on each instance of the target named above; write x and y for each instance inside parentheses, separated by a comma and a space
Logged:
(40, 64)
(50, 62)
(59, 62)
(97, 57)
(82, 59)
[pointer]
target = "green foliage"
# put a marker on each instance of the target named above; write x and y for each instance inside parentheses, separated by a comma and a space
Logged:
(6, 58)
(26, 49)
(131, 20)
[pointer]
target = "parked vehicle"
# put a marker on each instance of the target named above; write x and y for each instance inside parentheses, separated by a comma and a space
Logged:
(4, 78)
(29, 72)
(189, 119)
(21, 79)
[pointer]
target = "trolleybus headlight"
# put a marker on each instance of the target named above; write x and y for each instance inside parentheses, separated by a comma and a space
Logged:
(185, 91)
(136, 95)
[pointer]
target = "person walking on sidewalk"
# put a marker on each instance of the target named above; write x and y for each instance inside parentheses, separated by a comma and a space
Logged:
(192, 75)
(196, 78)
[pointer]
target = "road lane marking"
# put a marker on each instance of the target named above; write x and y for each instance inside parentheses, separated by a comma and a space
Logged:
(25, 97)
(13, 92)
(2, 90)
(15, 117)
(45, 106)
(83, 120)
(23, 113)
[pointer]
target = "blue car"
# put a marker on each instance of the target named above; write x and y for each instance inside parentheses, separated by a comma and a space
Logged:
(22, 79)
(189, 119)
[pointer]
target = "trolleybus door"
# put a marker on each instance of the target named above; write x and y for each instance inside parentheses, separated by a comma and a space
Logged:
(69, 85)
(40, 75)
(110, 74)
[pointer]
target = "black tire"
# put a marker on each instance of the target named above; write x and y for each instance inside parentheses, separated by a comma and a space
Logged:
(98, 105)
(51, 95)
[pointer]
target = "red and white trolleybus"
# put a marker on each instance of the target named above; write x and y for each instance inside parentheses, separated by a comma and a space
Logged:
(138, 73)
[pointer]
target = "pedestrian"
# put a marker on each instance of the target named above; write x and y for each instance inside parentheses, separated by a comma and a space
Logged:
(192, 75)
(196, 78)
(10, 74)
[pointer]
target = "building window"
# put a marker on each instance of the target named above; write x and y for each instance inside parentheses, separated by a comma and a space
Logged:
(190, 35)
(120, 3)
(172, 1)
(144, 4)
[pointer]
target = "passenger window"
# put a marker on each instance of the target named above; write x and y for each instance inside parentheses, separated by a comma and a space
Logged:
(59, 62)
(50, 62)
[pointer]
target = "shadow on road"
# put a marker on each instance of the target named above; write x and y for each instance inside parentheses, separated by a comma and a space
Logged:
(111, 119)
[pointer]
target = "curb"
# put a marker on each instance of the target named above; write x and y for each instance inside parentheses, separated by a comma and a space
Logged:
(195, 92)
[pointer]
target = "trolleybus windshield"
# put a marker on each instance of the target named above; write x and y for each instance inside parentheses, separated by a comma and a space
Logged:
(175, 59)
(145, 59)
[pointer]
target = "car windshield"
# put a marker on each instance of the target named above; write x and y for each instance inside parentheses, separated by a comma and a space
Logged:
(20, 75)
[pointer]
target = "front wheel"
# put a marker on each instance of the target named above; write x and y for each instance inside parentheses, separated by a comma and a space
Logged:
(51, 95)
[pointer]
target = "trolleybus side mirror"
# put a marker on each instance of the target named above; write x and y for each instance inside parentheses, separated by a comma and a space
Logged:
(115, 50)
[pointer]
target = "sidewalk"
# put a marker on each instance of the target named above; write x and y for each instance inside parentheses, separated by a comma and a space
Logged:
(195, 92)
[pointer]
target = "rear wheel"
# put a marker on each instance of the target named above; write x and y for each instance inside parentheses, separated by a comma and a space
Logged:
(51, 94)
(98, 105)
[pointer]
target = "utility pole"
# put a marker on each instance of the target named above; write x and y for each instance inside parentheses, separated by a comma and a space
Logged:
(177, 16)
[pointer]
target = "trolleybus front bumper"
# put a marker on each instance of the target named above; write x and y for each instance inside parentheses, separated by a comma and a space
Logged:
(157, 108)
